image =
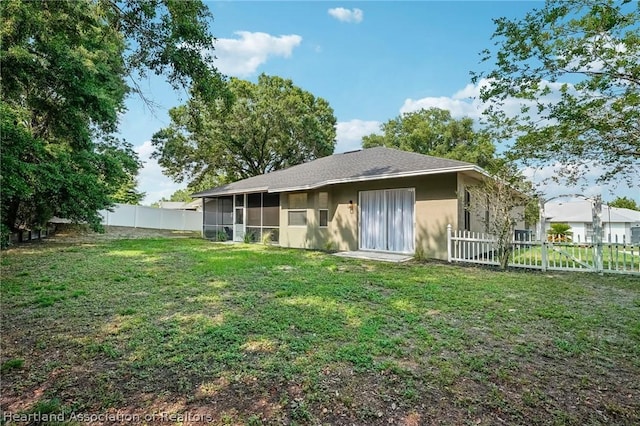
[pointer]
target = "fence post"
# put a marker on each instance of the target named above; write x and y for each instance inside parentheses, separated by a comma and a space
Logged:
(449, 243)
(542, 234)
(597, 232)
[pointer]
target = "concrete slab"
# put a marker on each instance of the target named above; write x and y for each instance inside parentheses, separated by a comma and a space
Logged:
(375, 255)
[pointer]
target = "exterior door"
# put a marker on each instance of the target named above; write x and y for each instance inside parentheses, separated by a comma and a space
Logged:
(387, 220)
(239, 219)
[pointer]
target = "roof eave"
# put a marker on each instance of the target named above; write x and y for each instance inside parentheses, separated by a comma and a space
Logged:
(321, 184)
(206, 194)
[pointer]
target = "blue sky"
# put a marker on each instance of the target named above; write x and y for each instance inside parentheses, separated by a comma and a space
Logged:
(370, 60)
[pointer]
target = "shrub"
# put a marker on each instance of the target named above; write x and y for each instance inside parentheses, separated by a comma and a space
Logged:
(267, 238)
(559, 232)
(249, 237)
(5, 236)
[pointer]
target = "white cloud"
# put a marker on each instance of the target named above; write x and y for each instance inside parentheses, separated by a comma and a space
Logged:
(466, 102)
(354, 15)
(242, 56)
(458, 108)
(349, 134)
(150, 178)
(543, 178)
(463, 103)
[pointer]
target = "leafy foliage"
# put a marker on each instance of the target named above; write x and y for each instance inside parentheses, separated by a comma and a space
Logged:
(64, 66)
(574, 66)
(183, 195)
(268, 126)
(434, 132)
(559, 232)
(170, 38)
(625, 203)
(508, 198)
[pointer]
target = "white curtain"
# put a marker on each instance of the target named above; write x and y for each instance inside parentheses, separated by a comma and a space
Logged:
(373, 228)
(387, 220)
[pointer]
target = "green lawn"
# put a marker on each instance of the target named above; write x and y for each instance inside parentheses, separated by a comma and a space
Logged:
(614, 257)
(249, 334)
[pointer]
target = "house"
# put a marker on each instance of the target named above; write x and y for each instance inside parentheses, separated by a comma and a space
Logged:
(618, 225)
(376, 199)
(195, 205)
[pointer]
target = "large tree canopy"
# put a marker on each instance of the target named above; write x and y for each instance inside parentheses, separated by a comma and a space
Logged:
(268, 126)
(434, 132)
(64, 69)
(574, 68)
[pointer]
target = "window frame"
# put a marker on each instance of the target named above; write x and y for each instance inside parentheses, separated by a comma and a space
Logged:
(306, 219)
(320, 211)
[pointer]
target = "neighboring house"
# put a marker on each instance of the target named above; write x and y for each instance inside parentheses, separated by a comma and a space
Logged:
(195, 205)
(618, 225)
(376, 199)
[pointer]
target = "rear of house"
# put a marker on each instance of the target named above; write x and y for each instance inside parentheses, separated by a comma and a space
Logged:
(376, 199)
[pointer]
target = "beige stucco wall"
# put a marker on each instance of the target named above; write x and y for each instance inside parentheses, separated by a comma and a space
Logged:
(311, 236)
(479, 217)
(436, 206)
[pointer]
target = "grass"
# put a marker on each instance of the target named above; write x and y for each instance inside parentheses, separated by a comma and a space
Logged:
(614, 257)
(253, 334)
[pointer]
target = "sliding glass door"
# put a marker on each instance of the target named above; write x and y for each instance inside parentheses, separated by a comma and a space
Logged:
(387, 220)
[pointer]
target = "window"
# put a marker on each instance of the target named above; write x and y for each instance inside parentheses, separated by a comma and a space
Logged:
(254, 206)
(297, 218)
(588, 231)
(324, 218)
(298, 200)
(323, 200)
(271, 209)
(467, 210)
(218, 217)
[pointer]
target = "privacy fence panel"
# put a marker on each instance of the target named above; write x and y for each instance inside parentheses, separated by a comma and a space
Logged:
(154, 218)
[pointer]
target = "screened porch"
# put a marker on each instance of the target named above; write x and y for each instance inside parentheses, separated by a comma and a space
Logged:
(242, 217)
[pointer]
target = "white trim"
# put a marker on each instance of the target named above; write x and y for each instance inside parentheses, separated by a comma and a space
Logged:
(306, 218)
(319, 224)
(231, 192)
(243, 225)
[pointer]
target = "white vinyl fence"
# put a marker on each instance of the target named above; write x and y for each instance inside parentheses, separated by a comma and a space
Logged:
(150, 217)
(552, 253)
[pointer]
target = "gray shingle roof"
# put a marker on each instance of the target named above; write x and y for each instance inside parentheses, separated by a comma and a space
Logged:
(367, 164)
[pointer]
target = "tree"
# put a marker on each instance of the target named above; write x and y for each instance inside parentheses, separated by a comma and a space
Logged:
(182, 195)
(128, 193)
(268, 126)
(507, 198)
(625, 203)
(559, 232)
(434, 132)
(64, 66)
(574, 68)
